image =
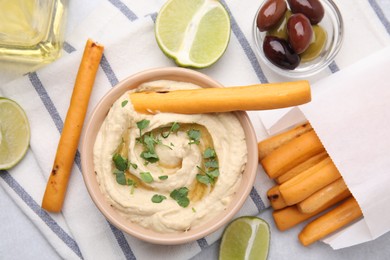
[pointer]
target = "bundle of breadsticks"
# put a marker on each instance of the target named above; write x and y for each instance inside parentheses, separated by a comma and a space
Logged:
(308, 185)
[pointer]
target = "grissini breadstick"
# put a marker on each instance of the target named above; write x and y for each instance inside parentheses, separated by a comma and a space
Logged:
(301, 167)
(305, 184)
(291, 154)
(291, 216)
(266, 146)
(209, 100)
(67, 146)
(315, 201)
(340, 216)
(275, 198)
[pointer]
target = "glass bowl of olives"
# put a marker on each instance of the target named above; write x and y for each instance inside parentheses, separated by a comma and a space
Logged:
(298, 38)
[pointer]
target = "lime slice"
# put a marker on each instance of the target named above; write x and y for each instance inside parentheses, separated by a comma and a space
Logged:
(245, 238)
(195, 33)
(14, 133)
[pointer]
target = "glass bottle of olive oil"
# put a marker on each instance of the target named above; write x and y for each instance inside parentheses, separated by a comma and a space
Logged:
(31, 31)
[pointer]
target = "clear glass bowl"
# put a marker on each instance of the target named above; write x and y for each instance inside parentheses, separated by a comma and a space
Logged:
(332, 23)
(31, 31)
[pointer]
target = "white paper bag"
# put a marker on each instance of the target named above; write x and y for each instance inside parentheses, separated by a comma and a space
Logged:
(350, 112)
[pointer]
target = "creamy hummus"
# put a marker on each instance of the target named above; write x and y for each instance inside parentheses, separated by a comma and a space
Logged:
(181, 170)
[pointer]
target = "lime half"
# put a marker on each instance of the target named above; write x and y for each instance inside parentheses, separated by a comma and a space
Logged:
(195, 33)
(14, 133)
(245, 238)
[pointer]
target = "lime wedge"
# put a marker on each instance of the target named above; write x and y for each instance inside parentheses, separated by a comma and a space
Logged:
(14, 133)
(195, 33)
(245, 238)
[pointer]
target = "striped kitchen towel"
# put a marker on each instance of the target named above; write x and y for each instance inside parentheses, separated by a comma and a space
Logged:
(125, 28)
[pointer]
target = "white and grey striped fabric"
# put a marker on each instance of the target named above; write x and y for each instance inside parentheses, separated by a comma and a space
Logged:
(125, 28)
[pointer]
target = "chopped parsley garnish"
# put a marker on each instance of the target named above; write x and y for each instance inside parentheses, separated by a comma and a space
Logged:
(163, 177)
(135, 166)
(193, 209)
(142, 125)
(149, 142)
(194, 136)
(209, 153)
(124, 103)
(208, 176)
(132, 184)
(151, 157)
(213, 173)
(121, 165)
(203, 178)
(158, 198)
(120, 162)
(211, 169)
(180, 195)
(174, 128)
(211, 164)
(146, 177)
(120, 177)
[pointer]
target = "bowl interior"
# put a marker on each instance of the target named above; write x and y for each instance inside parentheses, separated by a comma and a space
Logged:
(333, 25)
(88, 140)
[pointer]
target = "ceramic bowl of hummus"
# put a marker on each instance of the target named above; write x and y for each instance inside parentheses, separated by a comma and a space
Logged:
(167, 178)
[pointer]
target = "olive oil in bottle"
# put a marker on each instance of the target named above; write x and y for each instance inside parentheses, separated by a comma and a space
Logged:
(31, 31)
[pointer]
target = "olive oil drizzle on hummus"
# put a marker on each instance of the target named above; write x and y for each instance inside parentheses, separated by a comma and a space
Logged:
(197, 189)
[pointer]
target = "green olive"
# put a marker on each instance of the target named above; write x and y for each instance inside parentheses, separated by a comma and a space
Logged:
(316, 46)
(280, 30)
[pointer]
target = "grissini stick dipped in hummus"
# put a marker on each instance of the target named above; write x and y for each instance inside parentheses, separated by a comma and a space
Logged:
(291, 154)
(268, 145)
(58, 181)
(340, 216)
(210, 100)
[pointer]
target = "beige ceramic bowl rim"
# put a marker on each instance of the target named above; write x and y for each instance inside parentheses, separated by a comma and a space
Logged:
(88, 139)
